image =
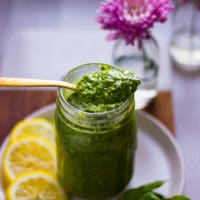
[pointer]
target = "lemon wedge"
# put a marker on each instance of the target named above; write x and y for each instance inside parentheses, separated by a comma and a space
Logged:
(35, 185)
(28, 153)
(34, 126)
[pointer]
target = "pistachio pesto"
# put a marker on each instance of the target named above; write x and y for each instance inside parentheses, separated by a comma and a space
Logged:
(104, 90)
(96, 147)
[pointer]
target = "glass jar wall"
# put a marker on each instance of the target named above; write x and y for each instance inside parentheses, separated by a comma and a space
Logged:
(95, 150)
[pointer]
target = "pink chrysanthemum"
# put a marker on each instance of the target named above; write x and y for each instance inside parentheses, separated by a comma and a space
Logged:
(131, 19)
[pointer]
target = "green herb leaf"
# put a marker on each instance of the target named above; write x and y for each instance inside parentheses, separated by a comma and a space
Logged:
(161, 197)
(178, 197)
(149, 196)
(139, 192)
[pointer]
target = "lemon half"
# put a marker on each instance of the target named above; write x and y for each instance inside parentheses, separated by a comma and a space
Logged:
(35, 126)
(35, 185)
(28, 153)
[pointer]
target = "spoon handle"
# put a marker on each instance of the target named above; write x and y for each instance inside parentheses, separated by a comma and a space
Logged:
(24, 82)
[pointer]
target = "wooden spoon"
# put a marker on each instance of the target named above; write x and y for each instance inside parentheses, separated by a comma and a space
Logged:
(21, 82)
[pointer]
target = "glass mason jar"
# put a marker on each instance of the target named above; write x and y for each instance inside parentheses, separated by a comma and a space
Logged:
(143, 61)
(185, 38)
(95, 150)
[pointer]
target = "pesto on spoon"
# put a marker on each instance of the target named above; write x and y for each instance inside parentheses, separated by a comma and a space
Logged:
(104, 90)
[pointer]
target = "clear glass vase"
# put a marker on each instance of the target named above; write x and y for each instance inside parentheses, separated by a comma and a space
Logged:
(185, 38)
(143, 61)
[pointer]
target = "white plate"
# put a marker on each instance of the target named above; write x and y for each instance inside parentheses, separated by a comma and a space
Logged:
(158, 156)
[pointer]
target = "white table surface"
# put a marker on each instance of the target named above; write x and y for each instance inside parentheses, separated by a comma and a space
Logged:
(45, 38)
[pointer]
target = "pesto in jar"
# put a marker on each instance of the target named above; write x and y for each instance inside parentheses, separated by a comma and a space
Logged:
(96, 132)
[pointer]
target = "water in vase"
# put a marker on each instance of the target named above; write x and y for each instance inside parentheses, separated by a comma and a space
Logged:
(185, 50)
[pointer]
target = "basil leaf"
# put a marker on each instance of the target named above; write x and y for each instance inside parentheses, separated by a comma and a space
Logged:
(149, 196)
(161, 197)
(136, 193)
(178, 197)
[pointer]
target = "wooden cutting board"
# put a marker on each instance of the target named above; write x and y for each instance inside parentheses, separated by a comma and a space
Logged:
(16, 104)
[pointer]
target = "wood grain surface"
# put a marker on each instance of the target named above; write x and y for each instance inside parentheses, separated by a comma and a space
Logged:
(16, 104)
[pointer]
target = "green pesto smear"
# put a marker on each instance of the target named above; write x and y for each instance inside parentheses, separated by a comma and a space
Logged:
(104, 90)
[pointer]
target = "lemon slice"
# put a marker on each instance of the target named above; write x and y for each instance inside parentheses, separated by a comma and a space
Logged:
(34, 126)
(35, 185)
(29, 153)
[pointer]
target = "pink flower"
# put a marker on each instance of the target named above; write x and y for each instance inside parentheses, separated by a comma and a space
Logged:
(131, 19)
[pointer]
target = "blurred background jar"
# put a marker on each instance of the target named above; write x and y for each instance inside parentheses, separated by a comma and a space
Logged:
(185, 38)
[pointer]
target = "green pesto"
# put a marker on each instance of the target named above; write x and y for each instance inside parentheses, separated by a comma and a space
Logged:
(95, 164)
(96, 160)
(104, 90)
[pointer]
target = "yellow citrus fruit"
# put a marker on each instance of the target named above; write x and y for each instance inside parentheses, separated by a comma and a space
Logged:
(28, 153)
(35, 185)
(34, 126)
